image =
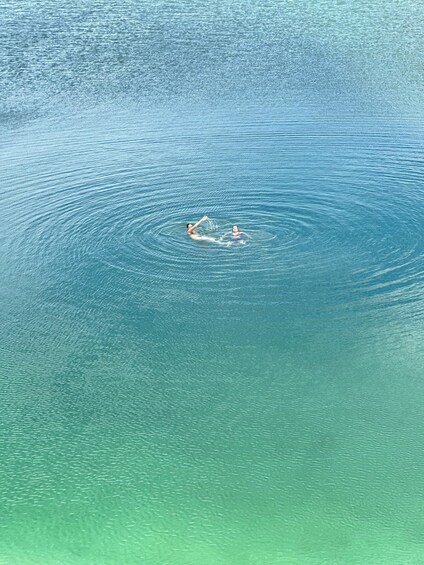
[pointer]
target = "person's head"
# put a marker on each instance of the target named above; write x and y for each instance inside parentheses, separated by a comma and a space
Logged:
(235, 229)
(189, 226)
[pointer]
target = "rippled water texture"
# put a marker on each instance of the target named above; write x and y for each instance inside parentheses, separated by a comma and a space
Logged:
(170, 401)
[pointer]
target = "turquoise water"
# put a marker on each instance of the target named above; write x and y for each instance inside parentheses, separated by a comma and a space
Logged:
(169, 401)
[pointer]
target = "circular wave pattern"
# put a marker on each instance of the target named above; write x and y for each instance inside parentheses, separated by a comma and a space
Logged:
(347, 226)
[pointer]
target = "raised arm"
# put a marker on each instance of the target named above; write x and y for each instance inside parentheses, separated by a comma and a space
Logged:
(197, 224)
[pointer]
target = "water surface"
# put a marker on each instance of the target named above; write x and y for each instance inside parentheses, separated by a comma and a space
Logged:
(172, 401)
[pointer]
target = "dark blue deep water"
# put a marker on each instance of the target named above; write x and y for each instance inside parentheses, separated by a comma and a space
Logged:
(171, 401)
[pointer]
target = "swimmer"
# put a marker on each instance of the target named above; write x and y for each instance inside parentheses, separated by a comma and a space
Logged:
(236, 235)
(192, 233)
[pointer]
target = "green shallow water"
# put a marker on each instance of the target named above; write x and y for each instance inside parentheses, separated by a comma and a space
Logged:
(224, 452)
(166, 401)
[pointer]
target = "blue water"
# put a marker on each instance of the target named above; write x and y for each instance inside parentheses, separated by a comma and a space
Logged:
(171, 401)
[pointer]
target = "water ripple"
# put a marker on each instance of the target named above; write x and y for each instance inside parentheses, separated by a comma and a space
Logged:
(353, 227)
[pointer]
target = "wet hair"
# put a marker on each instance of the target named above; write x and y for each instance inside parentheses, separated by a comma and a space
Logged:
(187, 226)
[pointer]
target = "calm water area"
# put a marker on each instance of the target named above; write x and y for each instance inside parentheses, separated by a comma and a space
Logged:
(166, 401)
